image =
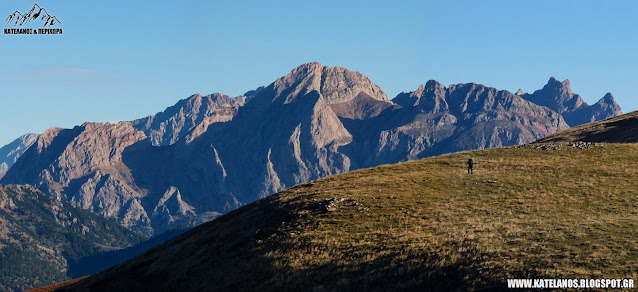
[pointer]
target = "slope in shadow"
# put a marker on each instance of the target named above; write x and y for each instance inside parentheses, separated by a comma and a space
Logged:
(99, 262)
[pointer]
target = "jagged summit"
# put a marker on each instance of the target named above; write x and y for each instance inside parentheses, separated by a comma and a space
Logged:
(561, 90)
(554, 80)
(556, 85)
(434, 97)
(559, 97)
(334, 84)
(431, 85)
(608, 97)
(605, 108)
(429, 96)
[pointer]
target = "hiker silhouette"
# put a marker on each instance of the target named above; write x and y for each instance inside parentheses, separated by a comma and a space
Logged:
(470, 166)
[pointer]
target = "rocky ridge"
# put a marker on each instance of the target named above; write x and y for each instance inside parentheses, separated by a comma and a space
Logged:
(559, 97)
(197, 111)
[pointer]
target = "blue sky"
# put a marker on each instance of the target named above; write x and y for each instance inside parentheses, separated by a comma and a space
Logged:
(121, 60)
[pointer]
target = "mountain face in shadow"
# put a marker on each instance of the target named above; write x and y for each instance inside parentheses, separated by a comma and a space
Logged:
(206, 156)
(96, 263)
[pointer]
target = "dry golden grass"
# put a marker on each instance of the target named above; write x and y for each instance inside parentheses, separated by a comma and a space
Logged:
(619, 129)
(525, 213)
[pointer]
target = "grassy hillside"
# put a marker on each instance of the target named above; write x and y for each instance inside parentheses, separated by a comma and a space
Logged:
(620, 129)
(537, 211)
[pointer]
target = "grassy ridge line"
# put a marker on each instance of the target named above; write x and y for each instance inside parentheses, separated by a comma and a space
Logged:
(525, 213)
(620, 129)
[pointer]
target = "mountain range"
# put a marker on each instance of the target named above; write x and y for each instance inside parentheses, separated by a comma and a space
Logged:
(208, 155)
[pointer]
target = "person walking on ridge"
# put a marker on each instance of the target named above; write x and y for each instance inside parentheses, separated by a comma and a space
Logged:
(470, 166)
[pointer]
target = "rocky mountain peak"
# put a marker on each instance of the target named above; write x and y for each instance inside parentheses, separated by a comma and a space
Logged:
(306, 69)
(430, 86)
(430, 94)
(555, 85)
(520, 92)
(608, 98)
(559, 97)
(334, 84)
(434, 89)
(433, 84)
(553, 80)
(605, 108)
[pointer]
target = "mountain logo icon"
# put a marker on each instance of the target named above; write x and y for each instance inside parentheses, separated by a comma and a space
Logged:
(36, 13)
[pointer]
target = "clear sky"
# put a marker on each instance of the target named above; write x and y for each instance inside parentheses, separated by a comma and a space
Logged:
(121, 60)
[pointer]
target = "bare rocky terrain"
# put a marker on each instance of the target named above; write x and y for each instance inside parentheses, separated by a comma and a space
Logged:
(559, 97)
(208, 155)
(193, 114)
